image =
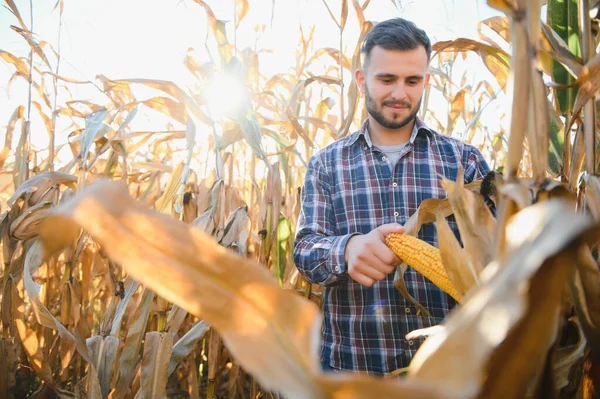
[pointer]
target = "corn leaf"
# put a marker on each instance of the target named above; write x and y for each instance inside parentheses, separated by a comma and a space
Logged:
(33, 260)
(242, 10)
(186, 344)
(155, 362)
(521, 355)
(276, 343)
(13, 7)
(475, 221)
(457, 263)
(495, 59)
(22, 67)
(474, 332)
(41, 180)
(103, 351)
(16, 116)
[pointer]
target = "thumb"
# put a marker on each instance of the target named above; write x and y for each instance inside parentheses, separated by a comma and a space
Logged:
(386, 229)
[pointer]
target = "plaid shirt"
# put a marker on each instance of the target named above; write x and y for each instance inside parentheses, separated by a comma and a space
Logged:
(350, 189)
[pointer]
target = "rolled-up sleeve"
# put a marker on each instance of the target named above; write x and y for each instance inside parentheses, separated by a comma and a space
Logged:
(318, 251)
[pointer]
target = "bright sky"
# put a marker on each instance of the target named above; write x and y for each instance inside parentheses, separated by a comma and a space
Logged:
(150, 38)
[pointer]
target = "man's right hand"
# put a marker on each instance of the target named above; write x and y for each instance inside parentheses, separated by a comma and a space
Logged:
(369, 259)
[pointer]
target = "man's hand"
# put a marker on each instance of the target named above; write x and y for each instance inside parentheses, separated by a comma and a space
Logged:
(369, 259)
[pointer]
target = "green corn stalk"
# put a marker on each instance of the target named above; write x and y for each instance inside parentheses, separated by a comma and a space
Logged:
(563, 18)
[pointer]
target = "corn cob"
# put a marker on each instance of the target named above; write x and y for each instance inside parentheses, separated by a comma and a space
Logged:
(424, 258)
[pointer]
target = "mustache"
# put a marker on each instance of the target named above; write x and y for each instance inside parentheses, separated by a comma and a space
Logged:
(397, 103)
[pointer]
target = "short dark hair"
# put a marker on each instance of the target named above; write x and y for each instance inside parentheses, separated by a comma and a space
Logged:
(395, 34)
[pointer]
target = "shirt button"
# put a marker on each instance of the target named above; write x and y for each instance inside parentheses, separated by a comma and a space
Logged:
(411, 342)
(395, 184)
(407, 310)
(384, 158)
(366, 148)
(396, 214)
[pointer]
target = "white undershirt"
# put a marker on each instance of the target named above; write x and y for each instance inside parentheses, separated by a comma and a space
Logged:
(392, 152)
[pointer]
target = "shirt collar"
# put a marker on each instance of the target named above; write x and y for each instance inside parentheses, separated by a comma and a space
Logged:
(420, 127)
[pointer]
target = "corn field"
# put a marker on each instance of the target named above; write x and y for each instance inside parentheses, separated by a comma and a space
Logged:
(150, 264)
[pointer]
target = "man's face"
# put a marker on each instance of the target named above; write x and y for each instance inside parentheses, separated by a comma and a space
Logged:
(393, 82)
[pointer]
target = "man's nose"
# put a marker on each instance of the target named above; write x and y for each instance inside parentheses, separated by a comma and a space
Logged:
(399, 92)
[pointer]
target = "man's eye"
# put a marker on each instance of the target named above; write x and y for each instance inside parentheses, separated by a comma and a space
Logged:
(413, 82)
(387, 80)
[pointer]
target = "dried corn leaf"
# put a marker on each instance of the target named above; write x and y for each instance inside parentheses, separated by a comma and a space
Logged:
(426, 212)
(131, 288)
(495, 59)
(475, 221)
(344, 15)
(585, 291)
(237, 230)
(252, 132)
(242, 10)
(20, 65)
(458, 266)
(538, 130)
(164, 203)
(166, 106)
(498, 24)
(457, 357)
(33, 260)
(94, 129)
(521, 356)
(175, 319)
(103, 351)
(333, 53)
(592, 196)
(167, 87)
(509, 7)
(155, 362)
(45, 118)
(26, 225)
(577, 157)
(31, 345)
(271, 332)
(566, 357)
(457, 107)
(319, 123)
(206, 221)
(13, 7)
(10, 128)
(34, 45)
(129, 357)
(186, 344)
(42, 180)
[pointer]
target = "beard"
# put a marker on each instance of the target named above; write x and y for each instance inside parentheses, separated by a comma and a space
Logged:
(375, 112)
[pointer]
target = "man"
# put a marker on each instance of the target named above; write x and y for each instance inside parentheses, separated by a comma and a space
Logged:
(365, 186)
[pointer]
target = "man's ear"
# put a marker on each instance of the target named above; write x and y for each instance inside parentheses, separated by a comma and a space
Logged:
(359, 76)
(426, 81)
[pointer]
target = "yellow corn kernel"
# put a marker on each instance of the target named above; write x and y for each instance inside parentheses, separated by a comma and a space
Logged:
(424, 258)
